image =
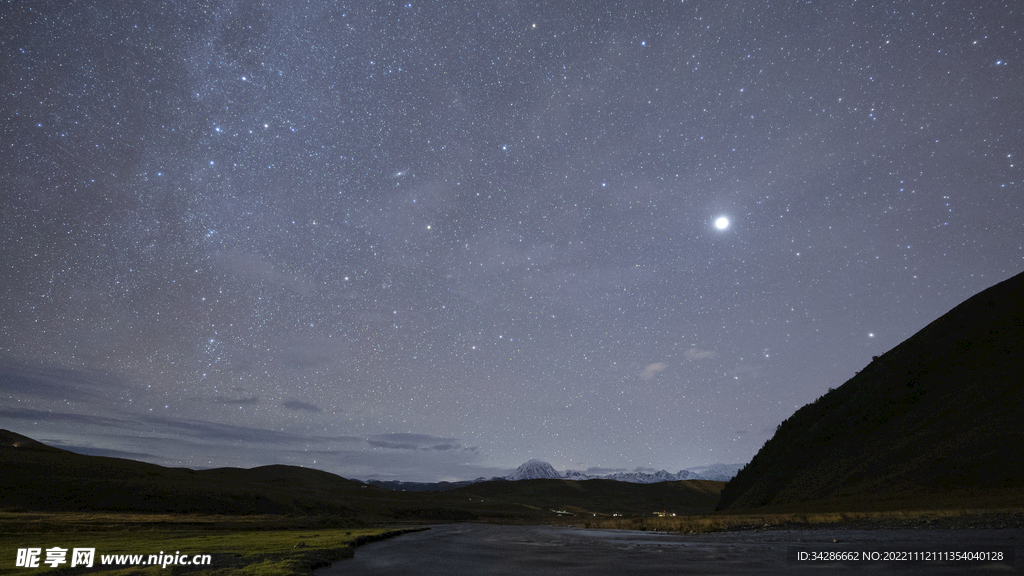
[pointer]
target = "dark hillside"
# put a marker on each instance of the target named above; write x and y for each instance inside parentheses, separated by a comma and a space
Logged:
(936, 421)
(36, 477)
(39, 477)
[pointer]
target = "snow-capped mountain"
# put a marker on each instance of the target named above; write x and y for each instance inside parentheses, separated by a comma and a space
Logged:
(575, 475)
(718, 472)
(636, 477)
(533, 469)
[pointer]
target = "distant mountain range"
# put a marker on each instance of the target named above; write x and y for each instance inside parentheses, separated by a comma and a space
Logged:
(538, 470)
(716, 472)
(37, 477)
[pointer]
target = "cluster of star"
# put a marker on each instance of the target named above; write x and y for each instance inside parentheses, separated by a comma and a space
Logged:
(507, 231)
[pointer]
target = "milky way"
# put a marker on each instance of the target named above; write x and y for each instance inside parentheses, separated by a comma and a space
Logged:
(432, 240)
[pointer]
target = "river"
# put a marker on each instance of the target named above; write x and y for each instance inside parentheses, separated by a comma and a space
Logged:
(485, 549)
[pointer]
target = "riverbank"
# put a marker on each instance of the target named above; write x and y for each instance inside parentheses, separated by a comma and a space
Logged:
(127, 543)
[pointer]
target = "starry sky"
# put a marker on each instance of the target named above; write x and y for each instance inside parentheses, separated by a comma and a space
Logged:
(426, 240)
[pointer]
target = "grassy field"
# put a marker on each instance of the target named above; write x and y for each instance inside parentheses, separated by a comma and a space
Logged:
(702, 523)
(293, 545)
(250, 545)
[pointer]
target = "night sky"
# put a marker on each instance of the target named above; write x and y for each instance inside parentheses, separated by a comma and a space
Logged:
(431, 240)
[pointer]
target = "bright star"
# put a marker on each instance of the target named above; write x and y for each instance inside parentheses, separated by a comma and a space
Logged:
(722, 223)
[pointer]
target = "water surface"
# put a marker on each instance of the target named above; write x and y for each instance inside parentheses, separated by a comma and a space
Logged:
(483, 549)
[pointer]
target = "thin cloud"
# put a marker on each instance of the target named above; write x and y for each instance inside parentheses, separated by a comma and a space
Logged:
(652, 370)
(46, 416)
(421, 442)
(392, 445)
(46, 381)
(698, 354)
(238, 401)
(214, 432)
(297, 405)
(109, 452)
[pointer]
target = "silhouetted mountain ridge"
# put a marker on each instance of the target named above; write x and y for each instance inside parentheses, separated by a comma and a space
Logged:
(34, 476)
(938, 416)
(538, 470)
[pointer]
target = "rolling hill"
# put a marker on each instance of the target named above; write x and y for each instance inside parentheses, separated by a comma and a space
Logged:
(934, 422)
(37, 477)
(40, 477)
